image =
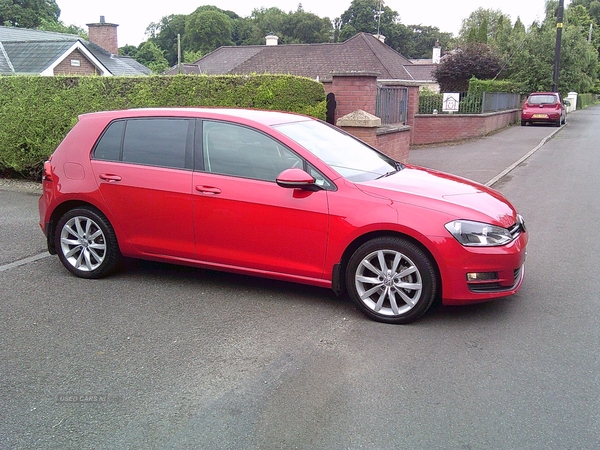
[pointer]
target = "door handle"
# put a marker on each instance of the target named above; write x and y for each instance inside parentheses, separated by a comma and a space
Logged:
(110, 178)
(208, 190)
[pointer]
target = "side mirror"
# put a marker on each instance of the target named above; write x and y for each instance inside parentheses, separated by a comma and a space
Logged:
(297, 179)
(566, 102)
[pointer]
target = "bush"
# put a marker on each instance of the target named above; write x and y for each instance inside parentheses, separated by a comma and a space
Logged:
(37, 112)
(585, 100)
(456, 69)
(477, 86)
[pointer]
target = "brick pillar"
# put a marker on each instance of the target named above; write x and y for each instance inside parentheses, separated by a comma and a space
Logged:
(413, 105)
(361, 125)
(104, 35)
(354, 91)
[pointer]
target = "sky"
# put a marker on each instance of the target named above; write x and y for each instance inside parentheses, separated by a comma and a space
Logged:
(133, 17)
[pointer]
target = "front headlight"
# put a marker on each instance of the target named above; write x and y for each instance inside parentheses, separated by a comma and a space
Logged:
(477, 234)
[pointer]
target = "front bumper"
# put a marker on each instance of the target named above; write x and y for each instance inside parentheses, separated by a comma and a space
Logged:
(478, 274)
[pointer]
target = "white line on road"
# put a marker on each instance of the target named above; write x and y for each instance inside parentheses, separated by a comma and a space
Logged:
(520, 161)
(23, 261)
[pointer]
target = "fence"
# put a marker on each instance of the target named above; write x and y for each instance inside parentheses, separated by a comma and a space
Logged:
(392, 104)
(471, 103)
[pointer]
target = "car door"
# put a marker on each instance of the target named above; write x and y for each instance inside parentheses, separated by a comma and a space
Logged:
(144, 171)
(243, 218)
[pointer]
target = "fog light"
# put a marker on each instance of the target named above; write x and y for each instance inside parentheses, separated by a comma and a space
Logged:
(482, 276)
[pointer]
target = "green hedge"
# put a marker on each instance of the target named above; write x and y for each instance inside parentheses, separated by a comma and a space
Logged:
(585, 100)
(37, 112)
(477, 86)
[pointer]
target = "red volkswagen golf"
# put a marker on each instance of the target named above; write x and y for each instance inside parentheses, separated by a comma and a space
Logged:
(276, 195)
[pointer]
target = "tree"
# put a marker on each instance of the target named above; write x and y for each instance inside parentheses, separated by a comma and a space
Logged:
(264, 21)
(530, 58)
(207, 30)
(367, 16)
(164, 35)
(60, 27)
(151, 56)
(417, 41)
(482, 25)
(28, 13)
(474, 60)
(129, 50)
(301, 27)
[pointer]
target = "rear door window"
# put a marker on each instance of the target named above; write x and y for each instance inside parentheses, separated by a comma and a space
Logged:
(162, 142)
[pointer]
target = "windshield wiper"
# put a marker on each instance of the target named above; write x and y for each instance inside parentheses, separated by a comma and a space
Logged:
(399, 167)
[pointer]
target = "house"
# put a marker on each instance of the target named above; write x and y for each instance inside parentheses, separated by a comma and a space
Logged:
(34, 52)
(355, 73)
(362, 52)
(423, 69)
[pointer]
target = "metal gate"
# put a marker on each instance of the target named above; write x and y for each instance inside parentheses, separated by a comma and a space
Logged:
(392, 104)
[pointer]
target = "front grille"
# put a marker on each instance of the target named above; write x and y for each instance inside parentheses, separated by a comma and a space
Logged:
(518, 227)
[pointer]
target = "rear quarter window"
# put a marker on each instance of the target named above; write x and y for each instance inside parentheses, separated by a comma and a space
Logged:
(109, 146)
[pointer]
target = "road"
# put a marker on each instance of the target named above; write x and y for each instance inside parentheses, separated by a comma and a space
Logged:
(159, 356)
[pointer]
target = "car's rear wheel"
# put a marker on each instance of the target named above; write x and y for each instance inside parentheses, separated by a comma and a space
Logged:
(391, 280)
(86, 243)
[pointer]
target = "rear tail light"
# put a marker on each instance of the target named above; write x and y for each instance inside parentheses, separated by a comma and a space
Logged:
(47, 174)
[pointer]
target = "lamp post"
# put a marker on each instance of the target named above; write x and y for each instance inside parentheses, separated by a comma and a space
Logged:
(559, 27)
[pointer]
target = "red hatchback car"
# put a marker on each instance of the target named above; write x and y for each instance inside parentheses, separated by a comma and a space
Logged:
(276, 195)
(544, 107)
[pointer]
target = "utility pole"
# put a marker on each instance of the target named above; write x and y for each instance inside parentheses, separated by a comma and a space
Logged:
(559, 27)
(178, 53)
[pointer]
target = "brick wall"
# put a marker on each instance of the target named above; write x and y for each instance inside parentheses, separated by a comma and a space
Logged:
(437, 128)
(358, 91)
(66, 67)
(395, 143)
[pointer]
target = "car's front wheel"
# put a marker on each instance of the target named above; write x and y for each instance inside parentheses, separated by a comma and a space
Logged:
(391, 280)
(86, 243)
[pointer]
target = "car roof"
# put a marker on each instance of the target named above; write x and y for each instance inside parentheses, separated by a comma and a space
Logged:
(263, 117)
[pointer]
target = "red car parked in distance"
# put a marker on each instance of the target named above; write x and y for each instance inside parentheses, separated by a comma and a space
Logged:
(276, 195)
(544, 107)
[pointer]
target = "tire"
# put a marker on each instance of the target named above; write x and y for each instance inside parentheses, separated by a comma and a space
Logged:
(523, 123)
(86, 243)
(400, 293)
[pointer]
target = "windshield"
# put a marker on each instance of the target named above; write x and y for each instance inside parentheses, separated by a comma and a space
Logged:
(348, 156)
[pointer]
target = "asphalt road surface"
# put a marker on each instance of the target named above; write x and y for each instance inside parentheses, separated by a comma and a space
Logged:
(158, 356)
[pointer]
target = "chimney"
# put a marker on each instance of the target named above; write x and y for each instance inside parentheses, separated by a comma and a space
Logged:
(381, 37)
(271, 39)
(104, 35)
(437, 53)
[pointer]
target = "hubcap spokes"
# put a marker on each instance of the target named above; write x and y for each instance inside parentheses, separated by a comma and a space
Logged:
(388, 282)
(83, 243)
